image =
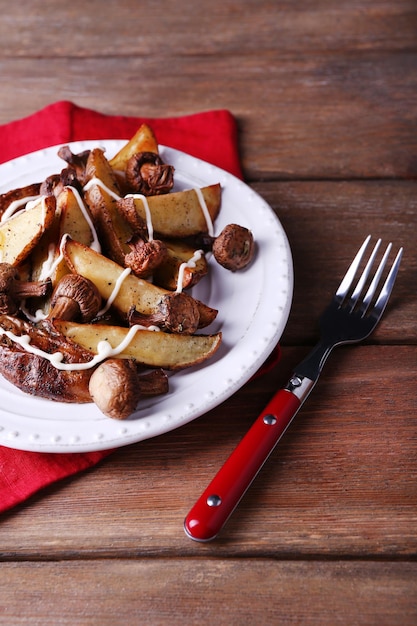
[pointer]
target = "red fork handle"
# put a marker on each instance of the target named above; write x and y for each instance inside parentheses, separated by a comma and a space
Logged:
(218, 501)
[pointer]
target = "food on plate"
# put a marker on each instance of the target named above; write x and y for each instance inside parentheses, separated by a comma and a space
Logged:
(150, 348)
(97, 263)
(116, 387)
(20, 234)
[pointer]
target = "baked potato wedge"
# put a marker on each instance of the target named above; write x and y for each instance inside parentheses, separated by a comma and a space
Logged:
(111, 226)
(178, 214)
(143, 140)
(21, 233)
(166, 275)
(20, 194)
(134, 292)
(70, 219)
(146, 347)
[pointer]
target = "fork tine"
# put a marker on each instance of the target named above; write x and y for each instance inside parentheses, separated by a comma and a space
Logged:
(374, 283)
(385, 293)
(362, 280)
(350, 274)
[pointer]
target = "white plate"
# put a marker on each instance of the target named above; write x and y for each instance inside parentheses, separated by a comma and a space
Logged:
(253, 306)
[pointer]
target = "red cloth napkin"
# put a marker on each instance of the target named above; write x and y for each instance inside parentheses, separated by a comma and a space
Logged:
(211, 136)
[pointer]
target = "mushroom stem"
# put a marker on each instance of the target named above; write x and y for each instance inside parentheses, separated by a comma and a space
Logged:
(12, 289)
(64, 308)
(176, 313)
(24, 289)
(233, 248)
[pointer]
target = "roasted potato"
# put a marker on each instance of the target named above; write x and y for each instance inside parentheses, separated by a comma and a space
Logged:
(177, 214)
(134, 292)
(29, 192)
(143, 140)
(147, 347)
(20, 234)
(166, 275)
(111, 226)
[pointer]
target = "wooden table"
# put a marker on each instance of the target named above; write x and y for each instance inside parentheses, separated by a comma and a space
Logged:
(325, 96)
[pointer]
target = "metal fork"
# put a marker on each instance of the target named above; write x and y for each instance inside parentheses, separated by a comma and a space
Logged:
(348, 319)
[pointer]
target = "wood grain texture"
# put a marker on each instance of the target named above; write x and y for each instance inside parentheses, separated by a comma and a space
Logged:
(211, 28)
(342, 482)
(197, 591)
(324, 93)
(322, 116)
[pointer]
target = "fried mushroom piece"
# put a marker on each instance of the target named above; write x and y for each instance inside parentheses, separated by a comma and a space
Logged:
(177, 313)
(116, 387)
(13, 290)
(145, 256)
(234, 248)
(75, 297)
(147, 174)
(77, 162)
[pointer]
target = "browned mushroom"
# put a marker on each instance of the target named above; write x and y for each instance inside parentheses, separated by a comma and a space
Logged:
(147, 174)
(75, 297)
(177, 313)
(145, 256)
(77, 162)
(116, 387)
(234, 248)
(13, 290)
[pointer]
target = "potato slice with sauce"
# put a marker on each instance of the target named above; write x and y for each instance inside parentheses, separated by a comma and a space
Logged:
(113, 229)
(179, 213)
(133, 292)
(166, 275)
(147, 347)
(20, 234)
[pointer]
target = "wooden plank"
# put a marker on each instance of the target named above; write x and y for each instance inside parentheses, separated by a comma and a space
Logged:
(326, 222)
(196, 591)
(347, 115)
(219, 27)
(334, 487)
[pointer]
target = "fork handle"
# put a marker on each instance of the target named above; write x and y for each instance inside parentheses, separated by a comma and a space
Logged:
(220, 498)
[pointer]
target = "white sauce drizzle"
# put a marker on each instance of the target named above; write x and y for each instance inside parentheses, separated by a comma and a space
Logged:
(115, 291)
(48, 267)
(95, 244)
(15, 205)
(148, 215)
(205, 210)
(97, 181)
(190, 263)
(104, 349)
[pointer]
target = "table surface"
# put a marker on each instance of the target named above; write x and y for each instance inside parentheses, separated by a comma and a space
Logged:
(325, 97)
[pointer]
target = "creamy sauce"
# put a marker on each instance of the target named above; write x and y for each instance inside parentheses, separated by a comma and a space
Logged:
(205, 210)
(148, 215)
(99, 183)
(190, 263)
(95, 244)
(115, 291)
(104, 349)
(17, 204)
(49, 264)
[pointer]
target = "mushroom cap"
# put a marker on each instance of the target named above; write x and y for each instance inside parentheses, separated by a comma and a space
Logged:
(113, 387)
(145, 256)
(82, 291)
(180, 313)
(234, 248)
(146, 173)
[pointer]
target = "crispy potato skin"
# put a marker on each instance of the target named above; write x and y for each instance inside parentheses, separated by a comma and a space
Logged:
(34, 374)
